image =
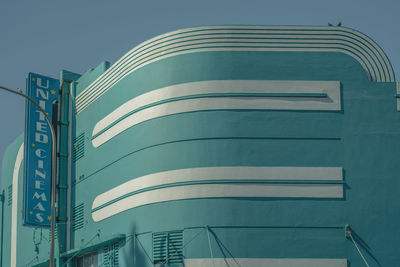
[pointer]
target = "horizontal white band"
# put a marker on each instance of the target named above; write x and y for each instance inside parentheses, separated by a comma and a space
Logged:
(265, 262)
(219, 47)
(122, 118)
(219, 190)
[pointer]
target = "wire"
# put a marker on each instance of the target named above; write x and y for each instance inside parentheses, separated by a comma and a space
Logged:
(140, 243)
(209, 244)
(359, 252)
(198, 233)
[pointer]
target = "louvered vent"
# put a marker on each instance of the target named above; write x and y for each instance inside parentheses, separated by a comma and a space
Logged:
(79, 147)
(9, 196)
(78, 217)
(111, 255)
(168, 247)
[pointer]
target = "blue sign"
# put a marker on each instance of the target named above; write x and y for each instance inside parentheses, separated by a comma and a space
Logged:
(37, 184)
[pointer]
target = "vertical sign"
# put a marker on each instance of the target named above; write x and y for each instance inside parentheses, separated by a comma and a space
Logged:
(37, 183)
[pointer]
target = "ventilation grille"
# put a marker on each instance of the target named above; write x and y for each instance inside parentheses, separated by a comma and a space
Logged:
(168, 247)
(77, 217)
(79, 147)
(9, 196)
(111, 255)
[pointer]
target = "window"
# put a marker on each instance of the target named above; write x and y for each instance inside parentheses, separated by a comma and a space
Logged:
(87, 260)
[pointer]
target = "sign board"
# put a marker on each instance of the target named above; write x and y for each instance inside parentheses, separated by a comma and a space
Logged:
(37, 183)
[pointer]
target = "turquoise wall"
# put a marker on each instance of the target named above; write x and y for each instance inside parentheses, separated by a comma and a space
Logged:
(366, 126)
(361, 137)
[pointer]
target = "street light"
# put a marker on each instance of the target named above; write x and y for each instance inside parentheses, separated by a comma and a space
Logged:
(53, 170)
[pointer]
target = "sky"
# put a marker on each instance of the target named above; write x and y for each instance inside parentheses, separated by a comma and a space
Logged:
(47, 36)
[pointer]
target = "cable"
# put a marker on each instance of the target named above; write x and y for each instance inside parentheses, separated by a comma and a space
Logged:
(349, 235)
(140, 243)
(359, 252)
(209, 244)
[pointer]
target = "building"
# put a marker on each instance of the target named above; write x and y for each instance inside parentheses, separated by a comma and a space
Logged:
(223, 146)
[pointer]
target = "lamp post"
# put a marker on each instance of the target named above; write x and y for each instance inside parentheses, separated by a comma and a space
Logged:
(53, 170)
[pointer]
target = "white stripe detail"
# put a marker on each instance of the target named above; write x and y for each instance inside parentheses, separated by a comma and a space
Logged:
(332, 102)
(219, 190)
(220, 47)
(265, 262)
(362, 49)
(14, 207)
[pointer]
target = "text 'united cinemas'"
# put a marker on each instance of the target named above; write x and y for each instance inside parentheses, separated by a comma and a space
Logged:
(37, 209)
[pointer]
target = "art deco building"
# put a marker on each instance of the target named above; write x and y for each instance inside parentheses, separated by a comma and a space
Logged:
(223, 146)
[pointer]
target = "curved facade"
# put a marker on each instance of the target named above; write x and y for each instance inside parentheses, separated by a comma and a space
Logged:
(235, 146)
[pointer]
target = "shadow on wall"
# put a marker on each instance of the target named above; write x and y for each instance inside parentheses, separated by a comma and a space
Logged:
(137, 250)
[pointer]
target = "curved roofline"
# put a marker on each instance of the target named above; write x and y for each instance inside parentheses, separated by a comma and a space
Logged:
(244, 38)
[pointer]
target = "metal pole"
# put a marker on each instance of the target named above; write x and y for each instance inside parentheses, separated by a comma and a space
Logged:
(53, 170)
(2, 232)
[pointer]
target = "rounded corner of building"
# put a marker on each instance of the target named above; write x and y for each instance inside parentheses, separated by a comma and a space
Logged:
(384, 59)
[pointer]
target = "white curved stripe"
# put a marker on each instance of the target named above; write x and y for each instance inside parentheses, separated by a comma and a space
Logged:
(96, 95)
(331, 88)
(14, 207)
(220, 173)
(363, 41)
(89, 98)
(219, 190)
(203, 104)
(337, 32)
(80, 105)
(265, 262)
(99, 93)
(250, 38)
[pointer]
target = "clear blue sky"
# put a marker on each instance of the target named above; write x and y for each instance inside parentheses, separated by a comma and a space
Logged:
(47, 36)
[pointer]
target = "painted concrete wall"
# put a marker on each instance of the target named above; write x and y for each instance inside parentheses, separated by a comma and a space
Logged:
(206, 131)
(261, 149)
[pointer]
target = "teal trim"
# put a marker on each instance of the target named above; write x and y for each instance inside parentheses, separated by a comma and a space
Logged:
(216, 95)
(220, 182)
(102, 242)
(44, 263)
(370, 48)
(80, 251)
(109, 164)
(88, 96)
(264, 226)
(380, 55)
(130, 60)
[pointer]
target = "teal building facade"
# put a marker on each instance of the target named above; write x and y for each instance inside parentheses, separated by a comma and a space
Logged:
(223, 146)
